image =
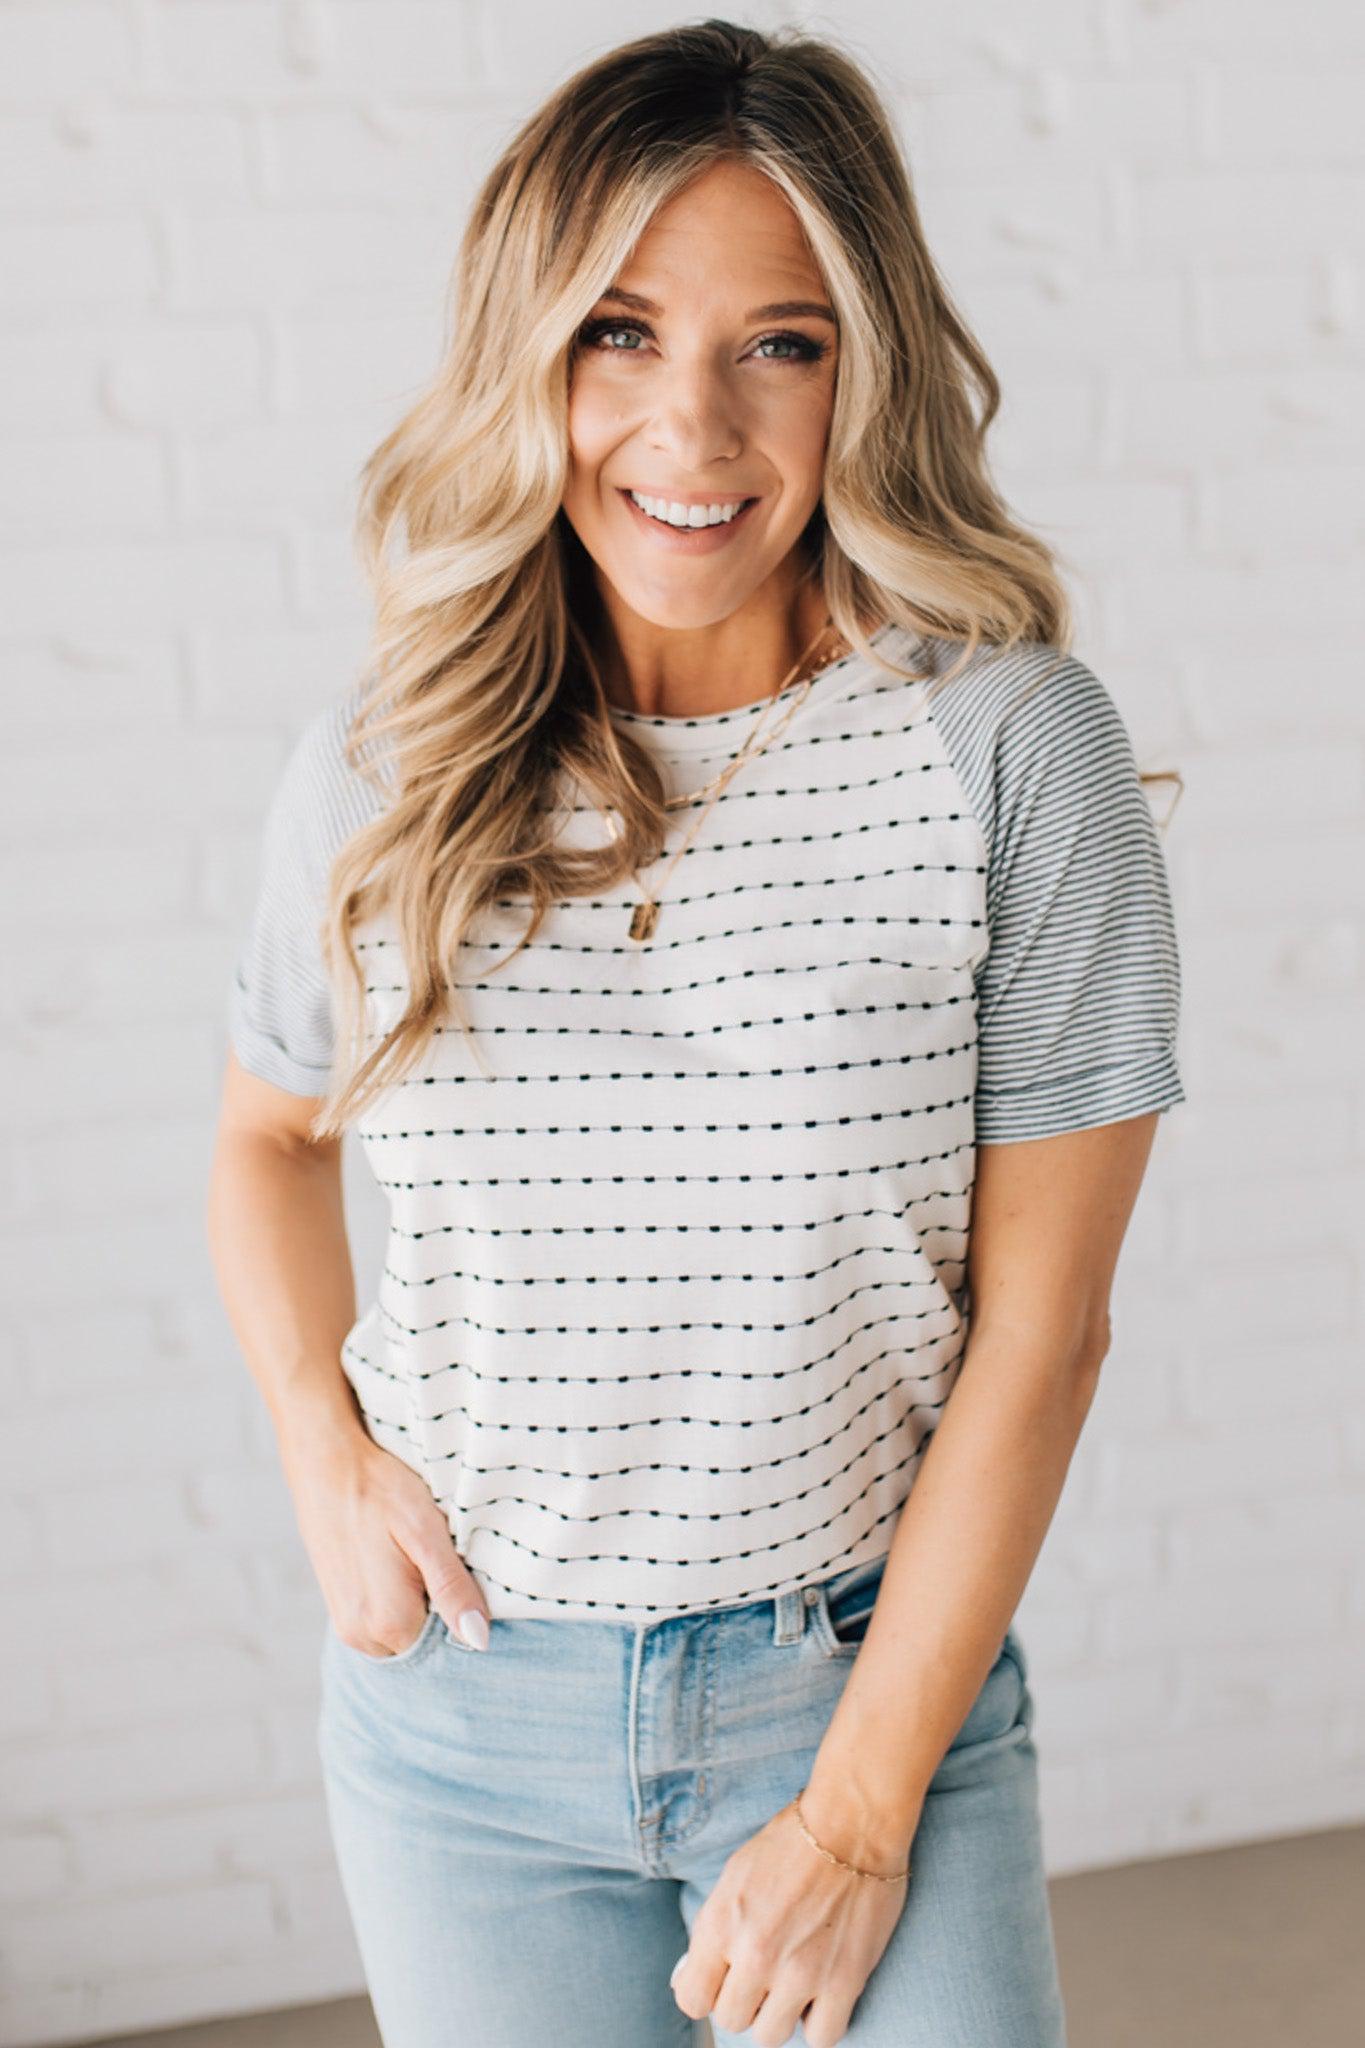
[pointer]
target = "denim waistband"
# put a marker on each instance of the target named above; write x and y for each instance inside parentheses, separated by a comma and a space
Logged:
(789, 1608)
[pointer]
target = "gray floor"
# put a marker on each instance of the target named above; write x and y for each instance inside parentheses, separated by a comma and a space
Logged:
(1235, 1948)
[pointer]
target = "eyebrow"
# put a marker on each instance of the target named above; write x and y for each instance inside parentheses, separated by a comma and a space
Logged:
(781, 309)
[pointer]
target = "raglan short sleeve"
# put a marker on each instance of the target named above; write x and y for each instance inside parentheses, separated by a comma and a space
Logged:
(280, 1013)
(1078, 995)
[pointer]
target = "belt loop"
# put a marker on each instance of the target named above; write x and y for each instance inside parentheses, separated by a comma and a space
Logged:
(789, 1614)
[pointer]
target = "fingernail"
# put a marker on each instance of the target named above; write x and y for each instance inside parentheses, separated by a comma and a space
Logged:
(473, 1628)
(673, 1973)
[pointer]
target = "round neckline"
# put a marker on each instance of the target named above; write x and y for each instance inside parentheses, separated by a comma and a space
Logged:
(702, 728)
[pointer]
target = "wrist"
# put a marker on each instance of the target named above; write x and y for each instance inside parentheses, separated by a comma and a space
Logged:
(320, 1429)
(868, 1830)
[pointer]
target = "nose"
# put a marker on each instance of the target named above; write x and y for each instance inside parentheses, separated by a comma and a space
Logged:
(695, 421)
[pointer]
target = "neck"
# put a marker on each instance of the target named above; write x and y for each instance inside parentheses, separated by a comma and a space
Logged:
(693, 671)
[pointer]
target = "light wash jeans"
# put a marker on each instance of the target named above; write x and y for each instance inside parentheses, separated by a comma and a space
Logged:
(524, 1834)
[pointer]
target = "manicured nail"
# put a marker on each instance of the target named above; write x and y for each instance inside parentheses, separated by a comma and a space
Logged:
(673, 1973)
(473, 1628)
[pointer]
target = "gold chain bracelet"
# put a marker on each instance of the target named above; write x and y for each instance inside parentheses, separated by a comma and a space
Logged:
(884, 1877)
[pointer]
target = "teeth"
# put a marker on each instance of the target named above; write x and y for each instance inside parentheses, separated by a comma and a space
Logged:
(688, 515)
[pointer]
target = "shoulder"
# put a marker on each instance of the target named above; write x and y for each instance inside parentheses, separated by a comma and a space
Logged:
(321, 797)
(1022, 721)
(1026, 695)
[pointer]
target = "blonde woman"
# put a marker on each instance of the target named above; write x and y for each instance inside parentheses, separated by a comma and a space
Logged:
(733, 925)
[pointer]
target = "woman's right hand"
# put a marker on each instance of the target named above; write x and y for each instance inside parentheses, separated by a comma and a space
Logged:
(380, 1546)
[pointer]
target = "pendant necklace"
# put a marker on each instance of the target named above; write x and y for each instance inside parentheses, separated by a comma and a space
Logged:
(645, 915)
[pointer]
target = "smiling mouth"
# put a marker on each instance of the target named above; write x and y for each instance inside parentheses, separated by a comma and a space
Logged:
(672, 515)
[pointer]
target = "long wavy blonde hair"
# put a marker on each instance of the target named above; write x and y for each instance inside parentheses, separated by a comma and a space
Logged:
(482, 685)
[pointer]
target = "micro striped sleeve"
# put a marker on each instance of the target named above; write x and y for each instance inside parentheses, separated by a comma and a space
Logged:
(280, 1013)
(1079, 994)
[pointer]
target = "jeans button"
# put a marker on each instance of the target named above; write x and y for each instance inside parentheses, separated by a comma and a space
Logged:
(811, 1595)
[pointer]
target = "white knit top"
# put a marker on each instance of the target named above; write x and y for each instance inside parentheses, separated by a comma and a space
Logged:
(674, 1293)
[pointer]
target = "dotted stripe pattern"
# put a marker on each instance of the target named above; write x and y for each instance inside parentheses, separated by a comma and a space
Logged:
(942, 916)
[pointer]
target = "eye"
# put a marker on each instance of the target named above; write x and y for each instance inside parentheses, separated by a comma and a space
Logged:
(594, 331)
(803, 348)
(807, 350)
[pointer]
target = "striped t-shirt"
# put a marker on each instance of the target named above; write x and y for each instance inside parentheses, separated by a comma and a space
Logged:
(675, 1285)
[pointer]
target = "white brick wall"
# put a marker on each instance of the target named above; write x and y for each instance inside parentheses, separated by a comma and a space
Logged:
(225, 234)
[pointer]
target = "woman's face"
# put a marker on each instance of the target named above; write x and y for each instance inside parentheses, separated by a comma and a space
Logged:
(717, 392)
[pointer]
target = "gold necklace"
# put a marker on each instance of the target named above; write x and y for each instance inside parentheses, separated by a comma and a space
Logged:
(645, 915)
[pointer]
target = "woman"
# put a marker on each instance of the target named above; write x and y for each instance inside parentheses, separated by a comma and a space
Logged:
(733, 924)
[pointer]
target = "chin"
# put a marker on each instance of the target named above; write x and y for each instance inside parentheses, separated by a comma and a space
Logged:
(681, 612)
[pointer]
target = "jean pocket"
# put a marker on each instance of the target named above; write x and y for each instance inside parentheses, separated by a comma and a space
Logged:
(1002, 1711)
(425, 1636)
(844, 1608)
(1014, 1649)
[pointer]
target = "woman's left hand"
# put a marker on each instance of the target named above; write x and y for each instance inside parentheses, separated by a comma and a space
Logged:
(786, 1936)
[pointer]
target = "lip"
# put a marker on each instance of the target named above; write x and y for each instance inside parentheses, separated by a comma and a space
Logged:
(687, 540)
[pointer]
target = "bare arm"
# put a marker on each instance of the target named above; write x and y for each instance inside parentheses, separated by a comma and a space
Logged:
(1049, 1217)
(277, 1233)
(378, 1542)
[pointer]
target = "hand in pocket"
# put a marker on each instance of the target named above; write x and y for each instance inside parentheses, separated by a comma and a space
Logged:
(382, 1551)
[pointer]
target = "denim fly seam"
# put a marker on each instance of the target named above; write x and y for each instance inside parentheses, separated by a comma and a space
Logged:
(671, 1717)
(675, 1669)
(670, 1736)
